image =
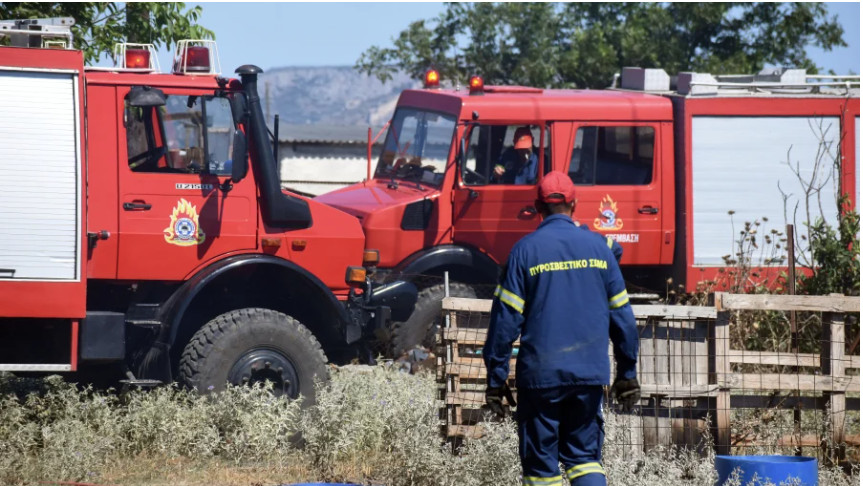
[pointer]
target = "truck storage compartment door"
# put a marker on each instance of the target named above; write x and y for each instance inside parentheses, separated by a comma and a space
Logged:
(757, 160)
(41, 207)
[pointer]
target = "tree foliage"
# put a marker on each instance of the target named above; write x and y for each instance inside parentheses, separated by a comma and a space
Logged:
(99, 25)
(585, 44)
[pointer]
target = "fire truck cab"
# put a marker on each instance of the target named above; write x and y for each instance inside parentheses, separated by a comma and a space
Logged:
(656, 169)
(144, 224)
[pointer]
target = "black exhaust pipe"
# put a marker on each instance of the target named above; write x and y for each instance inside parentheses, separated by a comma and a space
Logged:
(280, 210)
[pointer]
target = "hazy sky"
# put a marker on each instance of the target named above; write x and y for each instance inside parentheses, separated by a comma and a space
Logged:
(335, 34)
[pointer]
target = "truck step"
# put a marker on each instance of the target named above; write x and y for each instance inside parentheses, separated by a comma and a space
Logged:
(140, 383)
(35, 367)
(145, 323)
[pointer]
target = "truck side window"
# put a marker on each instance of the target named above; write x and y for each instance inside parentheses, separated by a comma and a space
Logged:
(190, 134)
(612, 156)
(491, 157)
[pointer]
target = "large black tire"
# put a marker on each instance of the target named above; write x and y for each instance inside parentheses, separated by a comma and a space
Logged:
(252, 345)
(422, 326)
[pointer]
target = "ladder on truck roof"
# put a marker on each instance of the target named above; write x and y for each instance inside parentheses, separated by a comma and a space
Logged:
(770, 81)
(48, 33)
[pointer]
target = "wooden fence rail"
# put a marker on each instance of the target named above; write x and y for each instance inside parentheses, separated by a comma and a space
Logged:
(685, 367)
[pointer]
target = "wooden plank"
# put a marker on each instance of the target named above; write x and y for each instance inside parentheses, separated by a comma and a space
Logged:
(469, 336)
(833, 351)
(701, 353)
(676, 368)
(793, 382)
(722, 343)
(660, 357)
(674, 312)
(641, 311)
(818, 303)
(471, 372)
(467, 431)
(774, 358)
(465, 304)
(809, 360)
(723, 422)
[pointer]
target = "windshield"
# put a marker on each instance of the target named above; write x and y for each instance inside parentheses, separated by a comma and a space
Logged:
(189, 134)
(417, 146)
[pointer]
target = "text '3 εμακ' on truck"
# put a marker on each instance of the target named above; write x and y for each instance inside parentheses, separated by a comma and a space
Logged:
(672, 174)
(143, 227)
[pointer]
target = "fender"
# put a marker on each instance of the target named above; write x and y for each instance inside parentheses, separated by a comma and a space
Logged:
(482, 267)
(176, 305)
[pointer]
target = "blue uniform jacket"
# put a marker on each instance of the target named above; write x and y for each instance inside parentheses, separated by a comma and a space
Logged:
(563, 293)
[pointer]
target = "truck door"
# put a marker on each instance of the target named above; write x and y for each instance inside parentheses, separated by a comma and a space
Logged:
(173, 214)
(615, 167)
(493, 203)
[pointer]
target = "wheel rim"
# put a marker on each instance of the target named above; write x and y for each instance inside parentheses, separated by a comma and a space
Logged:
(264, 364)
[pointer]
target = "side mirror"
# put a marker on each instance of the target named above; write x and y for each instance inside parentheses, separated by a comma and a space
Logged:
(238, 107)
(145, 97)
(239, 157)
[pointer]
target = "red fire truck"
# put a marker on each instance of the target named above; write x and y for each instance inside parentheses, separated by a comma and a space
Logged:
(136, 229)
(666, 173)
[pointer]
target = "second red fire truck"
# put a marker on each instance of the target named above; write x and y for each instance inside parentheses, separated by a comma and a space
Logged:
(665, 172)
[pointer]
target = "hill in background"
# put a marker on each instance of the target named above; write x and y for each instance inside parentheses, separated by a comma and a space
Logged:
(337, 95)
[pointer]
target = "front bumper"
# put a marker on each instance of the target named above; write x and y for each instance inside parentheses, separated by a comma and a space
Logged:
(377, 306)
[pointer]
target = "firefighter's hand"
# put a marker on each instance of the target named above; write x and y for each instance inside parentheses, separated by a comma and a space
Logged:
(627, 393)
(494, 400)
(498, 171)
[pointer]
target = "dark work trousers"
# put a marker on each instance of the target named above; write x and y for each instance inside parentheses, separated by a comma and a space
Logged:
(561, 424)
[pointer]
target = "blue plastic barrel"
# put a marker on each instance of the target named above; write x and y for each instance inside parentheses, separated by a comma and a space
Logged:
(774, 468)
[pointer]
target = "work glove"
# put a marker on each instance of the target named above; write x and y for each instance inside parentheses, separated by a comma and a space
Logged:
(627, 393)
(494, 397)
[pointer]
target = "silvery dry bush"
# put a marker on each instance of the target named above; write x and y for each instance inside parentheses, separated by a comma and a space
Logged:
(51, 430)
(57, 431)
(492, 459)
(382, 420)
(372, 425)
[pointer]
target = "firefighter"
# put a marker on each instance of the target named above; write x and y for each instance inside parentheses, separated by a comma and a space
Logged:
(562, 291)
(517, 164)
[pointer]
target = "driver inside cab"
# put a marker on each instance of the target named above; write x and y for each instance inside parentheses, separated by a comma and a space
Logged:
(517, 164)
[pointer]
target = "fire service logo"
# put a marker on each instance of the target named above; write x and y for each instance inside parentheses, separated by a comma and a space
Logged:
(607, 220)
(184, 229)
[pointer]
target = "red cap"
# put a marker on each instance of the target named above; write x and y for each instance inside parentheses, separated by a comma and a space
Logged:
(522, 138)
(556, 187)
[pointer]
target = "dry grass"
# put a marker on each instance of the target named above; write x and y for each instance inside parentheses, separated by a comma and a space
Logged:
(375, 426)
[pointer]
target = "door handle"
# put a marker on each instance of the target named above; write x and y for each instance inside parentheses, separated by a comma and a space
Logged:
(648, 210)
(527, 211)
(136, 206)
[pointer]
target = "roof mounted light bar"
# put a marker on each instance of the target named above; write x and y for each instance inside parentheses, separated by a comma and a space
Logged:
(770, 81)
(197, 57)
(37, 32)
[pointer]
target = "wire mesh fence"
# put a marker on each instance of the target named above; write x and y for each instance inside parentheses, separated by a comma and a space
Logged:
(711, 377)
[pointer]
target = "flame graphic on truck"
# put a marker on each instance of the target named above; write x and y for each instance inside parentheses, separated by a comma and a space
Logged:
(184, 229)
(607, 220)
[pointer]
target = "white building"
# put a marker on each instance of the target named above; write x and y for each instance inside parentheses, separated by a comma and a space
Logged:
(315, 159)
